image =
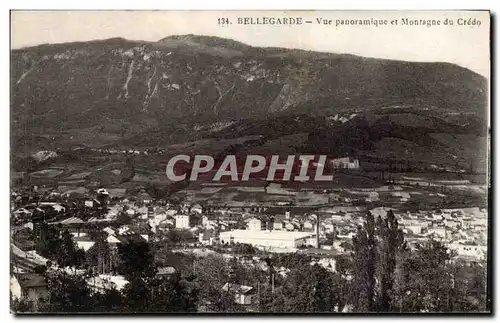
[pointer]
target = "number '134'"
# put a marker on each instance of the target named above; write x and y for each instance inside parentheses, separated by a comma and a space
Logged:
(223, 21)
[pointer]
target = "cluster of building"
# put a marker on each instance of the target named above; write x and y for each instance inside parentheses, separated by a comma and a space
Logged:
(463, 231)
(146, 151)
(327, 230)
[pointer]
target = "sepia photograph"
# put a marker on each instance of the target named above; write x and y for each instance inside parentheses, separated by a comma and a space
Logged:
(251, 162)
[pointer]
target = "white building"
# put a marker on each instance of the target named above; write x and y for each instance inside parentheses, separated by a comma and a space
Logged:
(340, 244)
(208, 238)
(268, 239)
(197, 209)
(329, 228)
(204, 220)
(438, 232)
(309, 226)
(452, 223)
(84, 242)
(380, 211)
(311, 241)
(278, 225)
(171, 212)
(346, 162)
(109, 230)
(102, 283)
(254, 225)
(470, 251)
(182, 221)
(113, 240)
(415, 228)
(404, 196)
(337, 217)
(243, 295)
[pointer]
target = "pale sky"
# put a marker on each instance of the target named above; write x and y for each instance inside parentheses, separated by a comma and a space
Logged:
(467, 46)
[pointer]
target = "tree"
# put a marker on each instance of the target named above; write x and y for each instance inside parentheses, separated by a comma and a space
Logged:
(40, 269)
(310, 289)
(68, 293)
(477, 286)
(148, 293)
(137, 296)
(390, 241)
(364, 266)
(21, 306)
(123, 219)
(156, 191)
(173, 294)
(47, 239)
(244, 249)
(212, 273)
(270, 301)
(343, 268)
(111, 301)
(67, 254)
(291, 260)
(177, 236)
(423, 282)
(99, 256)
(137, 260)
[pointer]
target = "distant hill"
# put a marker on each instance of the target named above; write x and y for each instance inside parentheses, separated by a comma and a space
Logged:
(118, 92)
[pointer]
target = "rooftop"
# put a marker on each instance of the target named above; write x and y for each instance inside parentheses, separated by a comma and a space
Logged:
(274, 234)
(241, 289)
(166, 270)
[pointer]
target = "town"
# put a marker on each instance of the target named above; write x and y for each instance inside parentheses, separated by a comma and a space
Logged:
(247, 234)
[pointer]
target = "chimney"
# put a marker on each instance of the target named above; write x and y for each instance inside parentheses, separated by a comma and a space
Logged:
(317, 231)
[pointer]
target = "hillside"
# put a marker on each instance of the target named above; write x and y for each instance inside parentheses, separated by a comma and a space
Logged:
(122, 93)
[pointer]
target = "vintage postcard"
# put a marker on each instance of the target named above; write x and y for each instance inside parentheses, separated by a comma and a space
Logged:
(250, 162)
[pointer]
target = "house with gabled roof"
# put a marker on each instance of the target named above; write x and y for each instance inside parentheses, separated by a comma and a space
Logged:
(243, 295)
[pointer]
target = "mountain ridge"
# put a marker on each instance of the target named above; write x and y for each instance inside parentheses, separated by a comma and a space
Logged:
(203, 39)
(108, 92)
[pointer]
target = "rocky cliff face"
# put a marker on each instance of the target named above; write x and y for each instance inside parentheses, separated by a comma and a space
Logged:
(124, 88)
